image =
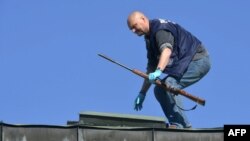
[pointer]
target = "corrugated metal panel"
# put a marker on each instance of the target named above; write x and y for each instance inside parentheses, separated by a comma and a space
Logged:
(114, 135)
(192, 135)
(38, 133)
(84, 133)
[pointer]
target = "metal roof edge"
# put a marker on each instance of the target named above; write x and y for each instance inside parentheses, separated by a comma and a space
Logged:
(124, 116)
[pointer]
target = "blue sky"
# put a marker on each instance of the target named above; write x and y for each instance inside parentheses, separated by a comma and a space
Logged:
(50, 70)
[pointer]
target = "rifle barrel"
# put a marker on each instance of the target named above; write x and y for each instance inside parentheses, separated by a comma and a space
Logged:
(105, 57)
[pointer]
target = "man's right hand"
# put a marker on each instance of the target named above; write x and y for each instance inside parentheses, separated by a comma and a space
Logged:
(139, 101)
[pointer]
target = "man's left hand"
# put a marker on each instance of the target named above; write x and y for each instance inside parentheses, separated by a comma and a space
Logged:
(153, 76)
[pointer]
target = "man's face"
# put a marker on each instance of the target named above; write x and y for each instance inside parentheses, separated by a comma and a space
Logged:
(137, 25)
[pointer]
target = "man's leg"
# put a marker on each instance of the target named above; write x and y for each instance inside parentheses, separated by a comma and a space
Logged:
(170, 102)
(196, 70)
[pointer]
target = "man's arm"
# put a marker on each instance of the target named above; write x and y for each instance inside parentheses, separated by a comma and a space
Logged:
(146, 84)
(165, 42)
(164, 58)
(151, 65)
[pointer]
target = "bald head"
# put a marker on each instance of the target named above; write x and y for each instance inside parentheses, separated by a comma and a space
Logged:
(138, 23)
(135, 14)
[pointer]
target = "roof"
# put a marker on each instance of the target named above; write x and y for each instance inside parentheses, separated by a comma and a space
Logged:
(120, 131)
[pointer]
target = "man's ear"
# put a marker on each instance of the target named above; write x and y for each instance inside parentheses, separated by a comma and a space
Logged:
(142, 17)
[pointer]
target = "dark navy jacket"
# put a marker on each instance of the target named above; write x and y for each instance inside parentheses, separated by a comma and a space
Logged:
(184, 47)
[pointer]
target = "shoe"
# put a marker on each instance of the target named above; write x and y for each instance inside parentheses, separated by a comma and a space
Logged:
(189, 127)
(172, 127)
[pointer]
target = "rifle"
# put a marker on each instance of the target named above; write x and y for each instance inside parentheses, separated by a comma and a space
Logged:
(175, 91)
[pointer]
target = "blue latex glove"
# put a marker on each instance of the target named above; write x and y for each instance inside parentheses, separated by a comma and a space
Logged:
(153, 76)
(139, 101)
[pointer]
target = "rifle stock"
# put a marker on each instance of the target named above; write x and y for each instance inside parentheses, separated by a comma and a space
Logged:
(174, 90)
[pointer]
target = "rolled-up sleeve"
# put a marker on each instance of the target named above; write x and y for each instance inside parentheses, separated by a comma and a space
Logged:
(164, 39)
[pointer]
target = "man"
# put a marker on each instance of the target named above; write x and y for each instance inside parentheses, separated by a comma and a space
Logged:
(173, 53)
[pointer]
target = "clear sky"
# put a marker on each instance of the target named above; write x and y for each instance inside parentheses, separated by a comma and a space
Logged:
(50, 70)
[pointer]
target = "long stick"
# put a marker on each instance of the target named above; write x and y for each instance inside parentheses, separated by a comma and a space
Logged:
(159, 83)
